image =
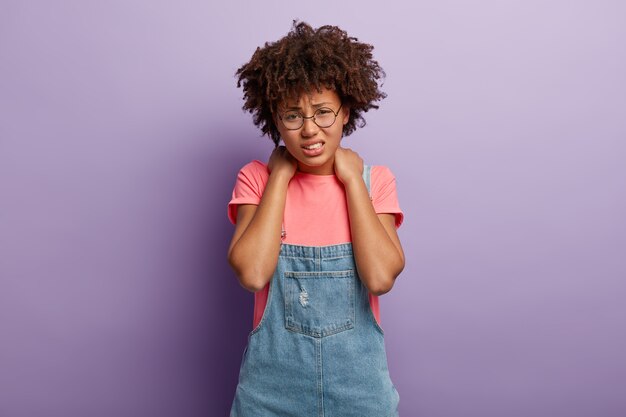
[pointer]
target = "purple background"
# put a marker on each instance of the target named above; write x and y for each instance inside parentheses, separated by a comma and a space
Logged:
(121, 134)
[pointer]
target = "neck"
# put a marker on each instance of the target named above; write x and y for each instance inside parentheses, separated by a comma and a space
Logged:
(327, 169)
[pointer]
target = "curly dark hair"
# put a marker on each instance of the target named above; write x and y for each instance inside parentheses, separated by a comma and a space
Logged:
(307, 58)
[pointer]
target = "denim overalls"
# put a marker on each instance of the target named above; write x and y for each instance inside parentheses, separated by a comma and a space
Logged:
(318, 351)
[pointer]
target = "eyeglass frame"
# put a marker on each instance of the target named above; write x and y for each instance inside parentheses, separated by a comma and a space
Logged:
(312, 117)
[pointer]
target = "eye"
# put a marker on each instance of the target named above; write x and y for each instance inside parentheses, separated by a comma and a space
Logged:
(290, 117)
(324, 111)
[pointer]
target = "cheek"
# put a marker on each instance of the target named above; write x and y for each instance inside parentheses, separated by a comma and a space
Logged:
(339, 130)
(291, 144)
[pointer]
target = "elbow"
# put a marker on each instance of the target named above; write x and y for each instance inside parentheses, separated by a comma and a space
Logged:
(249, 277)
(379, 283)
(251, 285)
(382, 282)
(251, 280)
(382, 287)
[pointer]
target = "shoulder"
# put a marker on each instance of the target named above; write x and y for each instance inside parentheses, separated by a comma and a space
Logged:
(255, 168)
(252, 178)
(382, 177)
(254, 174)
(251, 181)
(382, 172)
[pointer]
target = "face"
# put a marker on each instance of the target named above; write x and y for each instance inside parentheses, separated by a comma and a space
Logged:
(312, 146)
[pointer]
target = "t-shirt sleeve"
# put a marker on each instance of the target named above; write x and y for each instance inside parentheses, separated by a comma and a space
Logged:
(249, 187)
(384, 194)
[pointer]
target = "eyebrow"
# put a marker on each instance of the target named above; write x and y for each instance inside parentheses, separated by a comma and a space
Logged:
(312, 105)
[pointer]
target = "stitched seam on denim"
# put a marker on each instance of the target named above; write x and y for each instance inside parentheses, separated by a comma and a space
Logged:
(318, 259)
(296, 328)
(352, 296)
(293, 323)
(334, 258)
(338, 254)
(287, 303)
(320, 385)
(346, 273)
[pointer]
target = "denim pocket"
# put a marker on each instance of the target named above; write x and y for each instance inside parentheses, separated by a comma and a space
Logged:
(319, 304)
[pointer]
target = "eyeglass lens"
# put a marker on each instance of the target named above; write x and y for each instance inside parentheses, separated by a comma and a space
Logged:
(323, 117)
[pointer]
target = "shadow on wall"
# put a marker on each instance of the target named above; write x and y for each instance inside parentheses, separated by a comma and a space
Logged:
(230, 322)
(231, 308)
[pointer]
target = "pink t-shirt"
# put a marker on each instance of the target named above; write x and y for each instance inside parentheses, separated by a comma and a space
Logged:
(316, 212)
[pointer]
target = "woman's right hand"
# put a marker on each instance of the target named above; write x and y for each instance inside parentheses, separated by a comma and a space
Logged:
(282, 162)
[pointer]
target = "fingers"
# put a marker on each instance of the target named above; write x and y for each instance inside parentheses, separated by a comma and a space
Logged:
(348, 164)
(281, 160)
(347, 153)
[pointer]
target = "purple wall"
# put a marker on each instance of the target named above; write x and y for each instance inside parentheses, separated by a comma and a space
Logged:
(120, 137)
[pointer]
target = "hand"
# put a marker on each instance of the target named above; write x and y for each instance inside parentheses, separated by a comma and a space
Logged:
(348, 165)
(282, 162)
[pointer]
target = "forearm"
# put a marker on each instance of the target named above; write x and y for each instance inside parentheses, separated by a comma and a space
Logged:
(254, 254)
(379, 260)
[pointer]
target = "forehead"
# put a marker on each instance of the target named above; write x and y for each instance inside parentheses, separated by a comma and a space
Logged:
(312, 98)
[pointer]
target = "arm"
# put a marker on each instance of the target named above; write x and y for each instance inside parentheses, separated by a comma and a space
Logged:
(377, 249)
(254, 248)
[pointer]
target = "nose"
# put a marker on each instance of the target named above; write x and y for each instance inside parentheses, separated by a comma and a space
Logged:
(309, 128)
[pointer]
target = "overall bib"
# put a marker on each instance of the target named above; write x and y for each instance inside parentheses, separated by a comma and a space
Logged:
(318, 350)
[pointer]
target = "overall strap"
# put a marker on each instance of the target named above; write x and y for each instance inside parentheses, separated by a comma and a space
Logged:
(367, 177)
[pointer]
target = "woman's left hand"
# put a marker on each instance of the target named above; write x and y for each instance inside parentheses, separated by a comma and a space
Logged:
(348, 165)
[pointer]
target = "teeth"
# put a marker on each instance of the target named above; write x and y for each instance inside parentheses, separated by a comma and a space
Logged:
(314, 146)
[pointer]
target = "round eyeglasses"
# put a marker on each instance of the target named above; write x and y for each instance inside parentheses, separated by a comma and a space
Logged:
(323, 117)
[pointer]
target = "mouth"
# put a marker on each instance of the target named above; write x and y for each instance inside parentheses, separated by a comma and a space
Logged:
(313, 146)
(313, 149)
